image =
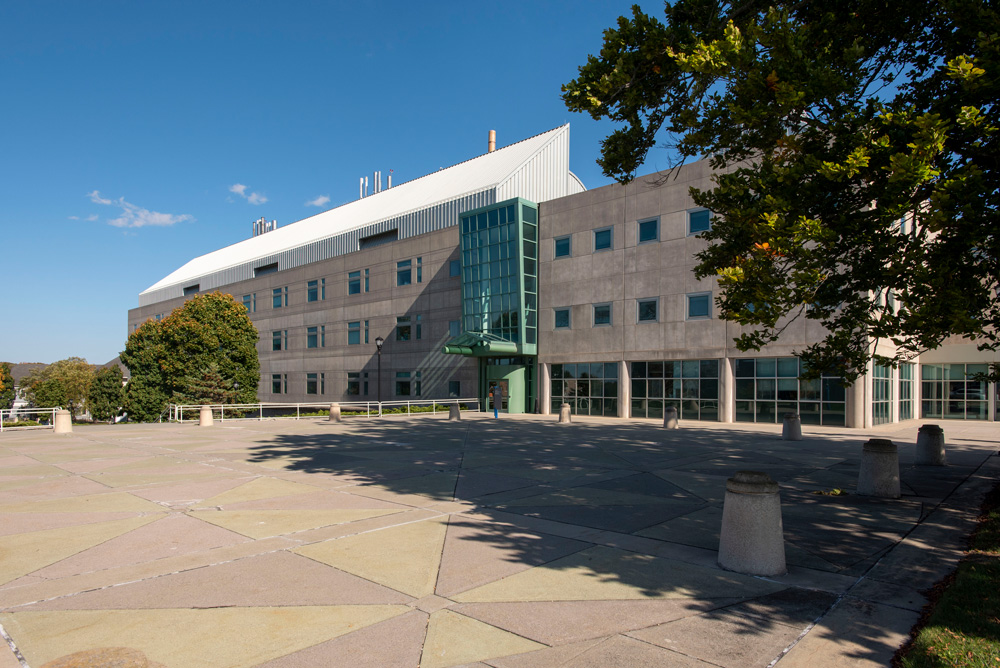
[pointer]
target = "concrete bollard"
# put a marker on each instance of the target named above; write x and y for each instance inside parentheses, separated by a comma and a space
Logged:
(335, 412)
(564, 414)
(879, 475)
(63, 422)
(454, 413)
(752, 540)
(205, 417)
(791, 430)
(930, 446)
(670, 418)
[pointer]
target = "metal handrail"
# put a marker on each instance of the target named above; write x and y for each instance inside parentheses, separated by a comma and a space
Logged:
(13, 415)
(315, 409)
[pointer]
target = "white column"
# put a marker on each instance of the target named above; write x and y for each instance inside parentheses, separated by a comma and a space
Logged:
(727, 391)
(624, 390)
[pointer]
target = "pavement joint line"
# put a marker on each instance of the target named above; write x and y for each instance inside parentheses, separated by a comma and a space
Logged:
(13, 647)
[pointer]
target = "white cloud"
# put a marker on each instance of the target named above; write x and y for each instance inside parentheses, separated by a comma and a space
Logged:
(96, 198)
(74, 217)
(319, 201)
(241, 190)
(92, 217)
(136, 216)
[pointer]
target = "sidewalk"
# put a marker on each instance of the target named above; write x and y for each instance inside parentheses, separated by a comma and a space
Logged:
(511, 543)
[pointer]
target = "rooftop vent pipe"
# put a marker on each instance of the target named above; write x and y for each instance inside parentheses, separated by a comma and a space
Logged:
(493, 141)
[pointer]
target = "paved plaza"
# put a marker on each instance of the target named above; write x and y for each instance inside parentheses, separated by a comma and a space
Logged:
(511, 543)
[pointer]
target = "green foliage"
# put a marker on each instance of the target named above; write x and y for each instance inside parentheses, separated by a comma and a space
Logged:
(106, 395)
(813, 112)
(65, 383)
(6, 386)
(168, 360)
(206, 386)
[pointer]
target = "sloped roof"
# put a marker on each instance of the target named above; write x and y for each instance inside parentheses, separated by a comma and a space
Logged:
(474, 175)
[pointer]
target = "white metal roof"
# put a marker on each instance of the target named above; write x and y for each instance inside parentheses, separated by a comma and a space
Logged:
(480, 173)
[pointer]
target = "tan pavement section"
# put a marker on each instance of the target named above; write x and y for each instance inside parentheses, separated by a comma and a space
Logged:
(414, 542)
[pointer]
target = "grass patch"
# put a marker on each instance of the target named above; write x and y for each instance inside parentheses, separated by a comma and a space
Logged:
(962, 626)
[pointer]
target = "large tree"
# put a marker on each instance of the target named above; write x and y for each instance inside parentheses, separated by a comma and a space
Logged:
(209, 339)
(106, 394)
(64, 383)
(828, 123)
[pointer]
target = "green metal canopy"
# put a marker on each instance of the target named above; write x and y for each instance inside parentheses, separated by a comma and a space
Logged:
(474, 344)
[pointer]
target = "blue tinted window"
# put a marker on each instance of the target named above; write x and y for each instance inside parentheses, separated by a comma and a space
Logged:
(562, 318)
(649, 230)
(602, 239)
(699, 221)
(562, 247)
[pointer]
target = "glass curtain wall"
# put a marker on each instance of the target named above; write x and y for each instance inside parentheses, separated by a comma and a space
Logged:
(947, 392)
(496, 242)
(589, 389)
(690, 386)
(906, 392)
(769, 387)
(881, 394)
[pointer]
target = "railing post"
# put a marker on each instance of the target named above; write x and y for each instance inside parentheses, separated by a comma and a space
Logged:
(296, 411)
(260, 414)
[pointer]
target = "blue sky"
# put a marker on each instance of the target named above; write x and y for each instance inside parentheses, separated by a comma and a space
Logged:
(137, 135)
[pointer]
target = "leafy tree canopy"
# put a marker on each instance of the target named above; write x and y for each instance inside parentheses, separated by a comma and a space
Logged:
(828, 123)
(106, 394)
(6, 386)
(168, 360)
(64, 383)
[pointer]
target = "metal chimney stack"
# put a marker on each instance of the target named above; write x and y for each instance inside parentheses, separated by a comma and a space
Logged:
(493, 141)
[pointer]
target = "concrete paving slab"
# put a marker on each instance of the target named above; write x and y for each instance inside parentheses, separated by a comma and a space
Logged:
(566, 622)
(88, 503)
(232, 637)
(856, 634)
(723, 638)
(267, 523)
(404, 557)
(622, 652)
(477, 552)
(545, 658)
(603, 573)
(395, 643)
(25, 553)
(13, 523)
(168, 536)
(454, 639)
(265, 580)
(259, 488)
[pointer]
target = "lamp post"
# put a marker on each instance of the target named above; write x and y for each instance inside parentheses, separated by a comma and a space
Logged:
(379, 341)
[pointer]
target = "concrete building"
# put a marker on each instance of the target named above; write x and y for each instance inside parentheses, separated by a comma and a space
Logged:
(504, 271)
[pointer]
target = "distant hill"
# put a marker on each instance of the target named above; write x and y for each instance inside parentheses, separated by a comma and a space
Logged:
(21, 369)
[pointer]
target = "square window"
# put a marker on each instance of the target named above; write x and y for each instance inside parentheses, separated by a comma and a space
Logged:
(648, 309)
(602, 314)
(404, 272)
(454, 328)
(603, 239)
(563, 248)
(279, 339)
(454, 268)
(454, 389)
(699, 306)
(403, 328)
(649, 230)
(250, 301)
(279, 297)
(561, 318)
(699, 220)
(354, 283)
